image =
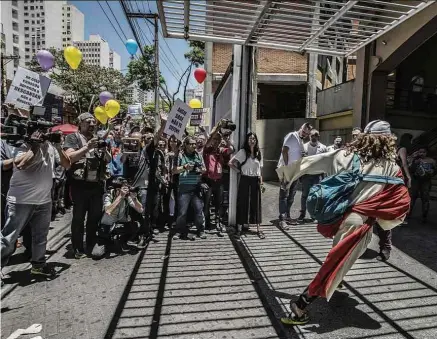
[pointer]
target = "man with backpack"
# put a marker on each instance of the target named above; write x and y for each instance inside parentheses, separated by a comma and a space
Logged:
(364, 186)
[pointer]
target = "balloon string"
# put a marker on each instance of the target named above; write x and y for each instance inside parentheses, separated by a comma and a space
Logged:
(77, 92)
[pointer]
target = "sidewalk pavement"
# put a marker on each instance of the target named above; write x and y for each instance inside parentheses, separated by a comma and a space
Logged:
(218, 288)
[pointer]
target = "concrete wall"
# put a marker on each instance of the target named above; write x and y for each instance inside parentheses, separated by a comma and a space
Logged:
(271, 133)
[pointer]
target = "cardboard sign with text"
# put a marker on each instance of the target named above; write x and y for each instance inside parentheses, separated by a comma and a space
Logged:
(177, 119)
(197, 116)
(27, 89)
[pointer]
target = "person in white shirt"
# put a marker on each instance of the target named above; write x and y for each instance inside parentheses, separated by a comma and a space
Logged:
(312, 147)
(292, 151)
(338, 143)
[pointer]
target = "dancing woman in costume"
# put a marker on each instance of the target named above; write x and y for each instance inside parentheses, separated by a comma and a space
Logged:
(370, 202)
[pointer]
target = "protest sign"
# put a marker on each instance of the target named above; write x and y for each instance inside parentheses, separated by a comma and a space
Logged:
(27, 89)
(197, 116)
(134, 109)
(178, 119)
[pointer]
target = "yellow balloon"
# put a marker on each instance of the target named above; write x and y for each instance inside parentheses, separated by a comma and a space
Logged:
(112, 108)
(100, 114)
(195, 103)
(73, 56)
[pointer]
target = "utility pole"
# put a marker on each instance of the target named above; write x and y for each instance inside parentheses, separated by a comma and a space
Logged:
(158, 116)
(148, 17)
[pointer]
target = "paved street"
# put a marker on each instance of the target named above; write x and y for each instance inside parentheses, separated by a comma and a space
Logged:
(218, 288)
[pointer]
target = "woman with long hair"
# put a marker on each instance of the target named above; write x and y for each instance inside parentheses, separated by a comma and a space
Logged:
(248, 161)
(374, 153)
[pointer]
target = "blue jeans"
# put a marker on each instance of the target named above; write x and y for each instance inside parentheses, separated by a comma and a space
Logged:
(286, 199)
(19, 216)
(184, 201)
(307, 182)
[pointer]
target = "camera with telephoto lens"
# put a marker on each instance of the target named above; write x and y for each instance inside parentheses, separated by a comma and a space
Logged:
(120, 182)
(228, 124)
(197, 168)
(23, 128)
(102, 143)
(131, 145)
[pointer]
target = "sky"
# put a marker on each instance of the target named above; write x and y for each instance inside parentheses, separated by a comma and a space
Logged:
(97, 23)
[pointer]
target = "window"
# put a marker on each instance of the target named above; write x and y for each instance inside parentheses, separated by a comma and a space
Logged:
(41, 7)
(32, 8)
(63, 39)
(15, 3)
(26, 14)
(15, 26)
(26, 35)
(25, 28)
(26, 21)
(25, 8)
(27, 49)
(68, 14)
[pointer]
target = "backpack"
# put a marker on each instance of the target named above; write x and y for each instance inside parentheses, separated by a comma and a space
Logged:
(328, 201)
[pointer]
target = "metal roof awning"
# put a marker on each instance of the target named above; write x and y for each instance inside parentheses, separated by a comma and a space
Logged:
(334, 27)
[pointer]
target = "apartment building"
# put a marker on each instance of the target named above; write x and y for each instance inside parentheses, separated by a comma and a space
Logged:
(96, 51)
(73, 25)
(31, 25)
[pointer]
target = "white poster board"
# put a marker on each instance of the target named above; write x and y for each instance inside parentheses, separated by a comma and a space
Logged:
(27, 89)
(177, 119)
(134, 109)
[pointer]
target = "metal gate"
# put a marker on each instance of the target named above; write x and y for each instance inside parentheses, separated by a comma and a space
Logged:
(222, 106)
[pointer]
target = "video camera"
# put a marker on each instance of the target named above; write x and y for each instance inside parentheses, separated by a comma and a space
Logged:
(102, 143)
(18, 128)
(227, 126)
(120, 182)
(131, 145)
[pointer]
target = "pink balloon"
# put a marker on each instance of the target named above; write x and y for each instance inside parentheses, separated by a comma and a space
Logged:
(45, 59)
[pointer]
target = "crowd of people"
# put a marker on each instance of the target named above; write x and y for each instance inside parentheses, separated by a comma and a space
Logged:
(126, 183)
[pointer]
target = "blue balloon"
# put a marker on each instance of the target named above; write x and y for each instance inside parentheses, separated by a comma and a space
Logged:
(131, 46)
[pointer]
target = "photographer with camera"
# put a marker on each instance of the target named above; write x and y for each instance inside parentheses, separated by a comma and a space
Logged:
(190, 168)
(29, 198)
(149, 174)
(122, 218)
(89, 157)
(214, 158)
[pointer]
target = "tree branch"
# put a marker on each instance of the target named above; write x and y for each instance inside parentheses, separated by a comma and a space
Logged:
(180, 81)
(186, 83)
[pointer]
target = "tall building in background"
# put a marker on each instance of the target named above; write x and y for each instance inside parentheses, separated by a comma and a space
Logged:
(12, 30)
(195, 93)
(31, 25)
(95, 51)
(136, 95)
(73, 25)
(114, 60)
(42, 21)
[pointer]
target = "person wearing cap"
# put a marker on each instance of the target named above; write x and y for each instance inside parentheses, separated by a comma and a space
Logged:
(312, 147)
(369, 202)
(355, 132)
(87, 175)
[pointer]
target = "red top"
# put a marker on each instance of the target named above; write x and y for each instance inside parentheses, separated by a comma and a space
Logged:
(214, 160)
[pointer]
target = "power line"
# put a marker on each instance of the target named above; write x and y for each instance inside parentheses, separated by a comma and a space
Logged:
(121, 29)
(107, 17)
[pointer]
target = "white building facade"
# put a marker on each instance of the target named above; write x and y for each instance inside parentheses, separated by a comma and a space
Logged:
(195, 93)
(136, 95)
(30, 25)
(73, 25)
(114, 60)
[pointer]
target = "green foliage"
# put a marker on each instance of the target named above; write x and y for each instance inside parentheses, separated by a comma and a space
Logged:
(88, 80)
(196, 54)
(143, 70)
(150, 108)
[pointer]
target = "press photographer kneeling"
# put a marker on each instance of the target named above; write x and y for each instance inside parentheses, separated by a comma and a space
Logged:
(122, 220)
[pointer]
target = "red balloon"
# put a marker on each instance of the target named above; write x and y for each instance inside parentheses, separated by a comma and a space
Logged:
(200, 75)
